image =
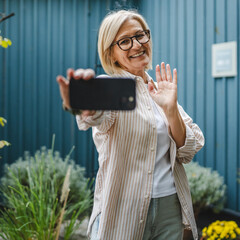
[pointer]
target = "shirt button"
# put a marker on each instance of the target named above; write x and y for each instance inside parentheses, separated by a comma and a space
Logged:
(148, 108)
(152, 149)
(154, 127)
(141, 221)
(146, 196)
(149, 172)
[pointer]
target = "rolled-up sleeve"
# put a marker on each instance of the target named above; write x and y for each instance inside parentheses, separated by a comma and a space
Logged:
(103, 120)
(194, 139)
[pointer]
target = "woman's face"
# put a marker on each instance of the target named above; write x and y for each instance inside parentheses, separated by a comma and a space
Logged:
(137, 58)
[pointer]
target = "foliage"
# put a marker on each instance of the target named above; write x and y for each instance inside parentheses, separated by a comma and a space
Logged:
(225, 230)
(41, 192)
(3, 143)
(5, 42)
(207, 187)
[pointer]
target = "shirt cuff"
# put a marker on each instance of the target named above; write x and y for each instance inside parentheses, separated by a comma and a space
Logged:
(189, 145)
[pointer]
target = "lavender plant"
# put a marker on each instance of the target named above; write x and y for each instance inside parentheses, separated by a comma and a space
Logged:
(207, 187)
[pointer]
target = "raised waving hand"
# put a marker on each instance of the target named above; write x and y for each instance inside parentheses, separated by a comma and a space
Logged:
(166, 94)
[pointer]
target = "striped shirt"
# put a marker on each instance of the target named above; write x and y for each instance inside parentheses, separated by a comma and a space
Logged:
(126, 142)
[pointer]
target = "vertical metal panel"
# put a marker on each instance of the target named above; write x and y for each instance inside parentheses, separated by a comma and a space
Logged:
(190, 58)
(232, 110)
(181, 64)
(212, 102)
(200, 70)
(220, 91)
(173, 37)
(210, 129)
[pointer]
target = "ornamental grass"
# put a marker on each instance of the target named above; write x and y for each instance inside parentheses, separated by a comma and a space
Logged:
(40, 193)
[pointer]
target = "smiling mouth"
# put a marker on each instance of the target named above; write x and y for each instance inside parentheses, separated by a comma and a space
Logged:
(138, 54)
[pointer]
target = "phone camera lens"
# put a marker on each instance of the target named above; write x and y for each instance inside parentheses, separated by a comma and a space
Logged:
(131, 99)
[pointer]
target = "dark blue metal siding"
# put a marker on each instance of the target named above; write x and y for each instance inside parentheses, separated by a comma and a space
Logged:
(183, 34)
(50, 36)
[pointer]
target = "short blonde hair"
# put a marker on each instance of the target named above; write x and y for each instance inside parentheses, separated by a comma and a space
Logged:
(107, 33)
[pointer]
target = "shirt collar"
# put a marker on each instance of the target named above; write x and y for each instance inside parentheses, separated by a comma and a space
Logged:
(125, 73)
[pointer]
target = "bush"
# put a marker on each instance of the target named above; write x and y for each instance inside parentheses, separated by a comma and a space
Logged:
(207, 187)
(40, 192)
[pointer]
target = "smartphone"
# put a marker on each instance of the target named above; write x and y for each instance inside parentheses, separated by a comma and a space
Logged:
(103, 93)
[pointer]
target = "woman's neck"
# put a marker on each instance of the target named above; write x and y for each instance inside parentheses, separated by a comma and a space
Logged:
(143, 75)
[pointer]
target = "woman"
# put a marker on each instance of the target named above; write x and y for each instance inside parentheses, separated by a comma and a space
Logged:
(141, 188)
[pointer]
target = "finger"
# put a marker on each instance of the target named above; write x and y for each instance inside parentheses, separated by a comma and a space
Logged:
(64, 90)
(169, 74)
(62, 80)
(158, 74)
(163, 71)
(175, 76)
(70, 73)
(88, 74)
(78, 74)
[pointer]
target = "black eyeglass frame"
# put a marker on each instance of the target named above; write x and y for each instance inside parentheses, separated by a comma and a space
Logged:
(147, 32)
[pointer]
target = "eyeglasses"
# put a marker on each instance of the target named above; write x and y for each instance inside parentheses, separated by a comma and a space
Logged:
(127, 42)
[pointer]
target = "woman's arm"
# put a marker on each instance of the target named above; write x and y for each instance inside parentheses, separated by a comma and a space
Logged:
(166, 97)
(177, 127)
(86, 119)
(194, 139)
(188, 137)
(63, 83)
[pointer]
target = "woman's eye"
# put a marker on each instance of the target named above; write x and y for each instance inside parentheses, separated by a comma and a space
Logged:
(140, 36)
(125, 41)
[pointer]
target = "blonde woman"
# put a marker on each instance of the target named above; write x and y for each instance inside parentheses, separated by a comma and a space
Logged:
(141, 188)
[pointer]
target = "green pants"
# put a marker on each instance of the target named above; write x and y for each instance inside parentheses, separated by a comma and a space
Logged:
(164, 220)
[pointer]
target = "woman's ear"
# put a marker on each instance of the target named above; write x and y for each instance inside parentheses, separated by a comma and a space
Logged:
(114, 60)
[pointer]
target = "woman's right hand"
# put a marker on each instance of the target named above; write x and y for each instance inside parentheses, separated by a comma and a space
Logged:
(63, 83)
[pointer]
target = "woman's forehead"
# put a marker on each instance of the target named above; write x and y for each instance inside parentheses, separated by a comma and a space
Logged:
(129, 27)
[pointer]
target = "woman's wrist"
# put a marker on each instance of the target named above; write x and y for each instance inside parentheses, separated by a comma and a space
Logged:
(177, 126)
(171, 112)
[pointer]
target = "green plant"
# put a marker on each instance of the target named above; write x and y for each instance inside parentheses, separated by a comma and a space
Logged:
(225, 230)
(40, 193)
(207, 187)
(3, 143)
(5, 42)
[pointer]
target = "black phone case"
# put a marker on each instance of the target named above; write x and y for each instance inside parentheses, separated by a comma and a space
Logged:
(103, 94)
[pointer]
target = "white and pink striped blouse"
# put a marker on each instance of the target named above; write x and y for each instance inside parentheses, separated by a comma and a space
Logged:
(126, 142)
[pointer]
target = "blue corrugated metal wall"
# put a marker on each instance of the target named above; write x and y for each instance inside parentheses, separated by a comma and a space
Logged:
(183, 34)
(48, 37)
(51, 35)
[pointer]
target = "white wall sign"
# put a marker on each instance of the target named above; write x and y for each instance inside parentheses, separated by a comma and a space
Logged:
(224, 59)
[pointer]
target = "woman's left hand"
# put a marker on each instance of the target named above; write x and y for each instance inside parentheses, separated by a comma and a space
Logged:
(166, 94)
(166, 97)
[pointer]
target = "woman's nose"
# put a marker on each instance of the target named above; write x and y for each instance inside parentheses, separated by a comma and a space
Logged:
(136, 44)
